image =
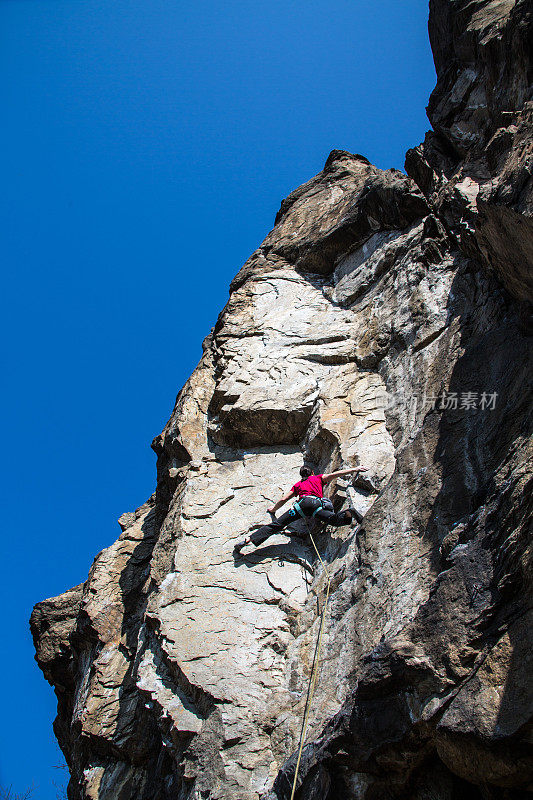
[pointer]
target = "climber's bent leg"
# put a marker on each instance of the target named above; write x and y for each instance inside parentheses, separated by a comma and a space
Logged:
(322, 509)
(337, 520)
(277, 525)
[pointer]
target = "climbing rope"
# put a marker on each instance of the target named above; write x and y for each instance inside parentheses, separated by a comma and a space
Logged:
(314, 667)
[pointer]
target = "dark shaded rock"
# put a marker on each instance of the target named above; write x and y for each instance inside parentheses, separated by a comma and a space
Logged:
(356, 200)
(51, 623)
(476, 165)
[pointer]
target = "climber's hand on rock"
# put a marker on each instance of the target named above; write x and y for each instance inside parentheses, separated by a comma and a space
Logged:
(271, 510)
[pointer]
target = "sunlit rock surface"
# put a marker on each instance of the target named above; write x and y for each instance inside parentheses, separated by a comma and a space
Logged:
(386, 321)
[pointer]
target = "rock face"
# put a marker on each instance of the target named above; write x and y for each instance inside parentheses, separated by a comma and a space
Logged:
(385, 320)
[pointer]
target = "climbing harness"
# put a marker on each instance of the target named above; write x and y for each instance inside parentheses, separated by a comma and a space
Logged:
(316, 656)
(319, 502)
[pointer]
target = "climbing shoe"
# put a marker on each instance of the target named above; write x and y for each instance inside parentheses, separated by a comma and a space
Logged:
(238, 547)
(355, 514)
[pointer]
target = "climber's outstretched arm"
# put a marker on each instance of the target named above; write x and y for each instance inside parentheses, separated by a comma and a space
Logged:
(284, 499)
(331, 475)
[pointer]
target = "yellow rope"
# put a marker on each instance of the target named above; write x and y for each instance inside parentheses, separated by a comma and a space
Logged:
(314, 670)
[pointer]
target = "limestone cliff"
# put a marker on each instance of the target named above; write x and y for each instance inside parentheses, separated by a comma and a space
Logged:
(385, 320)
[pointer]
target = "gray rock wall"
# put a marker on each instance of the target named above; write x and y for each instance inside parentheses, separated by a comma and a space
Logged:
(384, 321)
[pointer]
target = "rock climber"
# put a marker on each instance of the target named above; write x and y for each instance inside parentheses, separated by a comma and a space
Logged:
(311, 503)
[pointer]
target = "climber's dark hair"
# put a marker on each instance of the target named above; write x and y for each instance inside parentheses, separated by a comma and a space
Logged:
(305, 472)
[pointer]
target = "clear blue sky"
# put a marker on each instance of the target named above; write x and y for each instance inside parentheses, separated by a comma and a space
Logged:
(145, 148)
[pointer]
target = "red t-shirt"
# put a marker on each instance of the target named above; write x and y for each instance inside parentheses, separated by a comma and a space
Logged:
(311, 486)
